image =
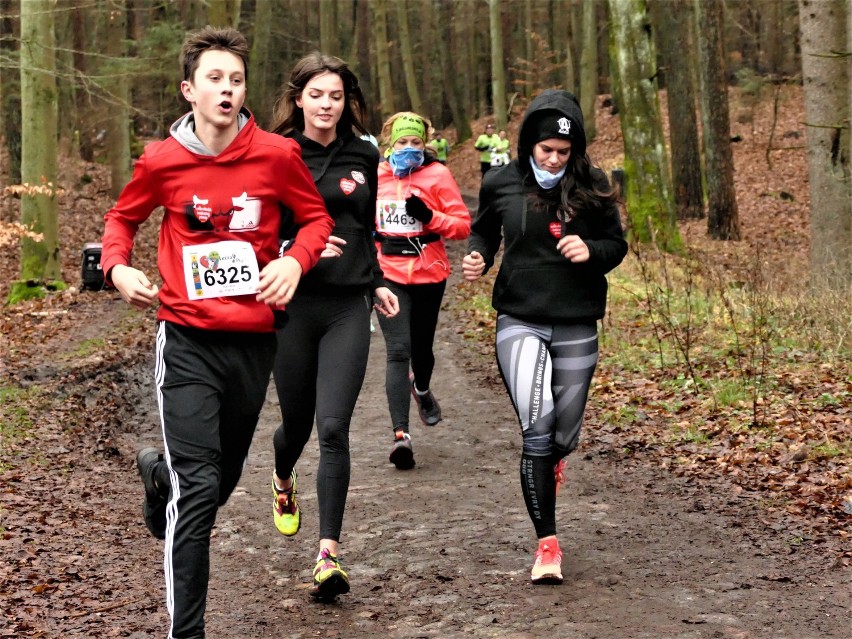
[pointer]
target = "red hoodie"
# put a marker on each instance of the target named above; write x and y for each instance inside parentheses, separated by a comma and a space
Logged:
(234, 196)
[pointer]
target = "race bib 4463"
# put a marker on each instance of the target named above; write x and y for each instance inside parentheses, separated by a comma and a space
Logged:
(391, 217)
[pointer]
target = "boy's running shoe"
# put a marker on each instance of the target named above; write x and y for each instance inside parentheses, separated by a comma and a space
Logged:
(154, 503)
(285, 508)
(547, 568)
(560, 473)
(329, 578)
(402, 455)
(427, 405)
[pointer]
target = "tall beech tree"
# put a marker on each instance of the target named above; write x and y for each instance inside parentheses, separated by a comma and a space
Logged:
(723, 222)
(826, 35)
(40, 265)
(672, 27)
(650, 207)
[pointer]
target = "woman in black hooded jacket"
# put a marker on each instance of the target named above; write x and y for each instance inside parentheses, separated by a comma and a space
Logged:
(558, 218)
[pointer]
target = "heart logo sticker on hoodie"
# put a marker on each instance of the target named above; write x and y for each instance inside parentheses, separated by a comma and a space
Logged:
(347, 186)
(555, 229)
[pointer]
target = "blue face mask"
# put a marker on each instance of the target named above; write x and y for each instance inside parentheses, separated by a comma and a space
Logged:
(545, 179)
(403, 161)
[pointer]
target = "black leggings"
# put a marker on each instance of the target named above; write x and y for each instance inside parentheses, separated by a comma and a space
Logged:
(408, 339)
(319, 369)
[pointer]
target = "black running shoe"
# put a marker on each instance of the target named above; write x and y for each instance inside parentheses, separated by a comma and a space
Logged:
(402, 455)
(154, 504)
(427, 405)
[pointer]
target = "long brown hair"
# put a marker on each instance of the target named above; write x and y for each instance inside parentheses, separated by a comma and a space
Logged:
(287, 116)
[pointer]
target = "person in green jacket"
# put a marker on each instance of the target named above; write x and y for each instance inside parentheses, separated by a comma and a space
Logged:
(441, 146)
(485, 144)
(500, 153)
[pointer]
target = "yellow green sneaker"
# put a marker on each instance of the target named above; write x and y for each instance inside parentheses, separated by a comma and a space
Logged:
(330, 579)
(285, 508)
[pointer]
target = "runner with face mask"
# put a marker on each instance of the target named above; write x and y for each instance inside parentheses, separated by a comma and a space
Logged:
(418, 205)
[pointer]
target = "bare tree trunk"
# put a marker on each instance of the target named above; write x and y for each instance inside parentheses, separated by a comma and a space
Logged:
(328, 33)
(564, 41)
(82, 30)
(463, 55)
(529, 28)
(772, 36)
(649, 202)
(722, 217)
(498, 71)
(224, 13)
(363, 63)
(433, 50)
(10, 88)
(451, 76)
(380, 24)
(118, 100)
(826, 37)
(673, 22)
(261, 93)
(589, 68)
(407, 55)
(39, 259)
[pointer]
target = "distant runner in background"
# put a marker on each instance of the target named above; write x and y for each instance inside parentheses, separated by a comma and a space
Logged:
(441, 146)
(485, 144)
(558, 220)
(500, 155)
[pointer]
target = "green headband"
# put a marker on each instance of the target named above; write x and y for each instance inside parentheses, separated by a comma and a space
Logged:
(407, 125)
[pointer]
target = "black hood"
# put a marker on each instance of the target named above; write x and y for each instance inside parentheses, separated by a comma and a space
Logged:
(551, 100)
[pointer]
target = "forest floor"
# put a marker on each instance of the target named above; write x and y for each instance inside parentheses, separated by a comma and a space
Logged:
(443, 550)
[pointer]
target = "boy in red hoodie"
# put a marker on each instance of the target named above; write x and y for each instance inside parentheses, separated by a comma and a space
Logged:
(221, 182)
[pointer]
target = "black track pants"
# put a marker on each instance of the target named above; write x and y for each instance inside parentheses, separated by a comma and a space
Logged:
(210, 388)
(319, 369)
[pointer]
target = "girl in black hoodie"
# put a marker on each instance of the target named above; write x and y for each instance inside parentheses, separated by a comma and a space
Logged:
(322, 352)
(558, 218)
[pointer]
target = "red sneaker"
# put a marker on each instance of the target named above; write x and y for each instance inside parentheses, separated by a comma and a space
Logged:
(547, 568)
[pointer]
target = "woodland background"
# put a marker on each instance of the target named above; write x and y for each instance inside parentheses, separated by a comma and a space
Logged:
(723, 353)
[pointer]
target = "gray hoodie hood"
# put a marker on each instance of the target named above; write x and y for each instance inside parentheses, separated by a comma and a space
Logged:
(183, 130)
(551, 100)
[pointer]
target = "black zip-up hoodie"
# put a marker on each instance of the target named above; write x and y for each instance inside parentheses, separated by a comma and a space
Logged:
(535, 282)
(345, 173)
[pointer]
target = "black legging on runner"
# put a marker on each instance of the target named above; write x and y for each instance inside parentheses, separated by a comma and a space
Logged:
(408, 339)
(319, 369)
(547, 370)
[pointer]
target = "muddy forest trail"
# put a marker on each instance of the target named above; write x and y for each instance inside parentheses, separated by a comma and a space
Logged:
(445, 550)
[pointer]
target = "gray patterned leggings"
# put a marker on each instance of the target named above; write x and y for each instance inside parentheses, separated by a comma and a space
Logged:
(547, 370)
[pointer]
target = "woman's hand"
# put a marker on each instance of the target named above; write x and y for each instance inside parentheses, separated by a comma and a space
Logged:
(388, 303)
(278, 281)
(573, 248)
(134, 286)
(473, 266)
(333, 248)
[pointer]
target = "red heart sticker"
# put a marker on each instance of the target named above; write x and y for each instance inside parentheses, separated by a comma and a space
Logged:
(555, 229)
(347, 186)
(204, 261)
